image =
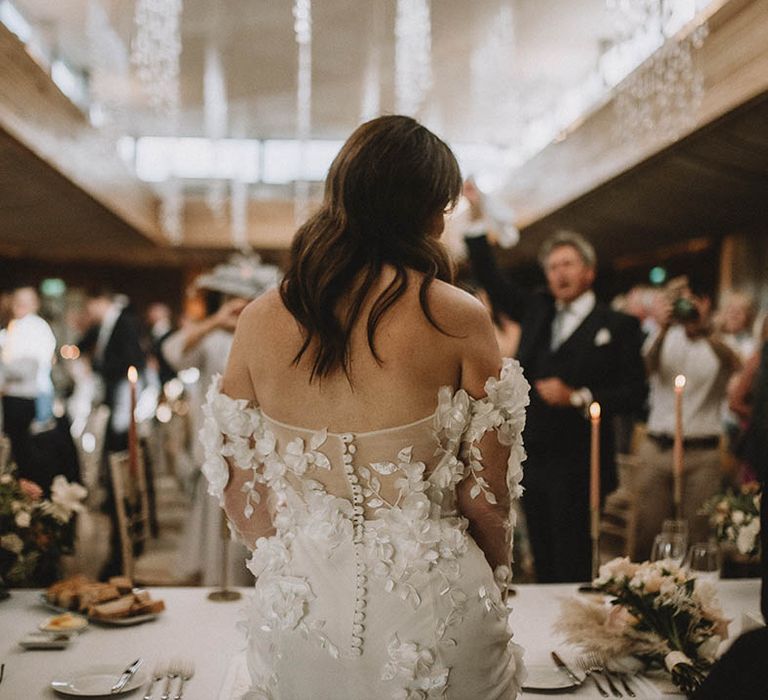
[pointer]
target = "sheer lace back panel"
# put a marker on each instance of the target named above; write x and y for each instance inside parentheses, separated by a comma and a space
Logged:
(375, 471)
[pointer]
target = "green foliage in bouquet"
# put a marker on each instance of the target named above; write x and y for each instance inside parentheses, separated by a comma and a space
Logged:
(654, 612)
(35, 532)
(735, 515)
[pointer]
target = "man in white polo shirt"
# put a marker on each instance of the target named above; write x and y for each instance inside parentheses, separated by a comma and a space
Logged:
(684, 344)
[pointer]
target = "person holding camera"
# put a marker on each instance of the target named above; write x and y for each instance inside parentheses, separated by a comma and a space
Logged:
(686, 344)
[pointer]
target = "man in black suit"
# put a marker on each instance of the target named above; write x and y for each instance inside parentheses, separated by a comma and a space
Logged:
(113, 343)
(573, 350)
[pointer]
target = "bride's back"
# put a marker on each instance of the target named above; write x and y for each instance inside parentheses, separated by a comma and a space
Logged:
(416, 359)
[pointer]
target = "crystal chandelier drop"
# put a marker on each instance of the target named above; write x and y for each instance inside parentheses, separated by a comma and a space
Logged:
(302, 27)
(494, 95)
(108, 73)
(215, 114)
(370, 104)
(413, 55)
(238, 203)
(664, 92)
(172, 210)
(155, 53)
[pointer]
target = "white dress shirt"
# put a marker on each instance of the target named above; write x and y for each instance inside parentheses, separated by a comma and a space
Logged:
(28, 349)
(570, 316)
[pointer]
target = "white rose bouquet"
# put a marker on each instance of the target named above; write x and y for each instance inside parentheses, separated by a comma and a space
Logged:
(35, 531)
(655, 613)
(735, 515)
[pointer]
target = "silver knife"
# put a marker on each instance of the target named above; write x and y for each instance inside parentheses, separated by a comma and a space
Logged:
(562, 665)
(126, 676)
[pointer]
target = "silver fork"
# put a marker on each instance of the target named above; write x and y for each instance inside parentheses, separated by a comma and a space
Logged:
(586, 666)
(627, 688)
(597, 664)
(157, 675)
(186, 671)
(171, 675)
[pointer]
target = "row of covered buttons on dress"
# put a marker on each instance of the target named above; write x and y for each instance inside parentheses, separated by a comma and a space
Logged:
(361, 579)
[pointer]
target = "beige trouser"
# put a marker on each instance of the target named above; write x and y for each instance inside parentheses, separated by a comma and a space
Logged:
(651, 484)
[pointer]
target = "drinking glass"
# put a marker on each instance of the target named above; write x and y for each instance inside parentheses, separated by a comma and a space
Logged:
(670, 546)
(675, 527)
(703, 560)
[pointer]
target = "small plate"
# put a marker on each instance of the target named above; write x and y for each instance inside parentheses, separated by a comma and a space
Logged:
(97, 681)
(64, 624)
(544, 677)
(43, 640)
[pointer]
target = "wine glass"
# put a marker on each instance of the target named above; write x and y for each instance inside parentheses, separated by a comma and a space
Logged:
(703, 561)
(674, 526)
(669, 546)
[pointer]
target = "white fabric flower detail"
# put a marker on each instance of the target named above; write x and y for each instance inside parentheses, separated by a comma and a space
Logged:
(298, 461)
(417, 667)
(280, 602)
(270, 555)
(66, 499)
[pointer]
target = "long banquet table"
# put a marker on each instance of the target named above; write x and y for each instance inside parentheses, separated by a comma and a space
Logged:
(194, 628)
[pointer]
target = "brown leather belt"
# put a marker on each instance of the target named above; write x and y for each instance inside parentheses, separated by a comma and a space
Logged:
(665, 442)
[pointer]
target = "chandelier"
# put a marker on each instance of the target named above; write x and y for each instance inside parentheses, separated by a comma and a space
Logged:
(302, 27)
(494, 95)
(663, 94)
(413, 55)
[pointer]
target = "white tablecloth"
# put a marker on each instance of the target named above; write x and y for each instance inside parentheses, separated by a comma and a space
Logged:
(194, 628)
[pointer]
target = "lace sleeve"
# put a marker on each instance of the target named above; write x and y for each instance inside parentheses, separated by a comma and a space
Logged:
(502, 410)
(232, 435)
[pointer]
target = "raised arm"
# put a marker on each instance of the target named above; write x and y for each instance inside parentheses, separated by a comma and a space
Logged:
(503, 294)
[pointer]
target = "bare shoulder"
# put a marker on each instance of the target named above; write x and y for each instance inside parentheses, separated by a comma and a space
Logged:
(263, 309)
(458, 310)
(469, 321)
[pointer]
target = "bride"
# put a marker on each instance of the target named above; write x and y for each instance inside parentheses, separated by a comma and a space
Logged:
(365, 444)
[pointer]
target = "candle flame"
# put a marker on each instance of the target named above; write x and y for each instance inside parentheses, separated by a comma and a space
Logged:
(680, 381)
(133, 375)
(594, 410)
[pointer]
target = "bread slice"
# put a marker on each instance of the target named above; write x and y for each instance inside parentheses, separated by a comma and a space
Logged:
(122, 583)
(95, 593)
(112, 609)
(150, 607)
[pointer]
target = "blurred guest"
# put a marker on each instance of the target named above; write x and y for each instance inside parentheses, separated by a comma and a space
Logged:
(640, 302)
(113, 343)
(745, 394)
(734, 320)
(685, 344)
(573, 350)
(205, 345)
(28, 347)
(160, 322)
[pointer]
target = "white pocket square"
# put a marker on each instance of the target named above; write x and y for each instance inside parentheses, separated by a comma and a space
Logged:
(602, 337)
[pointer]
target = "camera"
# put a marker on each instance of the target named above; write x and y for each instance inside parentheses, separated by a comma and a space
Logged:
(684, 310)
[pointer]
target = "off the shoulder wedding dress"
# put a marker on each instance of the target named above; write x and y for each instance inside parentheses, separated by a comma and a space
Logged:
(371, 586)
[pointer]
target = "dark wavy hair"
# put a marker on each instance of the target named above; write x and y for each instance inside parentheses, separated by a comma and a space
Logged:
(384, 189)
